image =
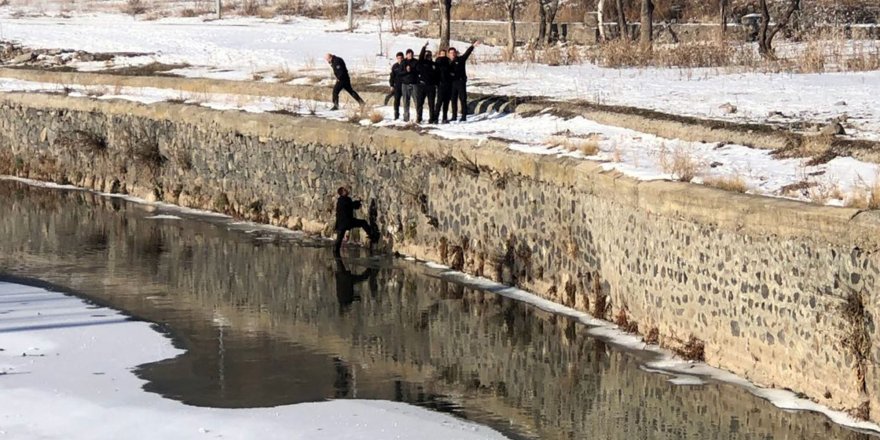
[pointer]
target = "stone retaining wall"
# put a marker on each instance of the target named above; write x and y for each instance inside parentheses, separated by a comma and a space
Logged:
(778, 291)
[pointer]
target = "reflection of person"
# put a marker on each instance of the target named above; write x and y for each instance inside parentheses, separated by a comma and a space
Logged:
(345, 282)
(346, 221)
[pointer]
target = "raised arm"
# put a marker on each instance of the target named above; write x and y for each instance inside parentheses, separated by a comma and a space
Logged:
(422, 53)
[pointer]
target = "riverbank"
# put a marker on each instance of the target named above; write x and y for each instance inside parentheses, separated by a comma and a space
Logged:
(685, 265)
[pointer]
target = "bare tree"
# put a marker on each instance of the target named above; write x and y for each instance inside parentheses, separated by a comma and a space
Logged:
(723, 15)
(646, 26)
(767, 32)
(600, 19)
(511, 6)
(621, 20)
(445, 21)
(542, 22)
(550, 7)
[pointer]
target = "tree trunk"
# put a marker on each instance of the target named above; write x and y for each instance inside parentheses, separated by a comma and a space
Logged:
(542, 22)
(766, 32)
(621, 21)
(723, 4)
(552, 9)
(511, 27)
(600, 19)
(350, 15)
(445, 21)
(646, 26)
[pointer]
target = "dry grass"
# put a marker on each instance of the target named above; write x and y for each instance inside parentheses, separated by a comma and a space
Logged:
(284, 74)
(734, 183)
(586, 146)
(375, 116)
(865, 196)
(680, 163)
(692, 350)
(622, 320)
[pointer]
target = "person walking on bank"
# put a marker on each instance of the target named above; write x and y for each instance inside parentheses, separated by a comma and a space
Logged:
(409, 80)
(444, 85)
(458, 73)
(395, 81)
(346, 221)
(343, 81)
(427, 87)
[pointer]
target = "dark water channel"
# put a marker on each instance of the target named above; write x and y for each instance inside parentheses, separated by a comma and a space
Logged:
(272, 319)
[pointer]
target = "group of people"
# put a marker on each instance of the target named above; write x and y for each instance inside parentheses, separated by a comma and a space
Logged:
(440, 81)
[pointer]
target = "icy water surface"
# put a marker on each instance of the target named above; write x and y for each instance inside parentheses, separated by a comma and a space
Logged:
(272, 319)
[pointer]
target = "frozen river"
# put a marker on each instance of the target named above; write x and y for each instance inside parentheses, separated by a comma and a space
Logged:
(242, 332)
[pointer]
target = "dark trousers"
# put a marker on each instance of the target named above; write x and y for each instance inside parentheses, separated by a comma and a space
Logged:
(459, 97)
(444, 94)
(344, 85)
(428, 91)
(340, 233)
(409, 94)
(397, 93)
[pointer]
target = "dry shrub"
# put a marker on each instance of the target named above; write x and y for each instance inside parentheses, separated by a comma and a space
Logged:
(134, 7)
(587, 146)
(863, 59)
(733, 183)
(622, 320)
(653, 336)
(821, 194)
(865, 196)
(375, 116)
(812, 59)
(693, 350)
(680, 164)
(284, 74)
(250, 7)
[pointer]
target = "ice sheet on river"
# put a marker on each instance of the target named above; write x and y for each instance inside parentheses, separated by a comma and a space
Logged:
(66, 372)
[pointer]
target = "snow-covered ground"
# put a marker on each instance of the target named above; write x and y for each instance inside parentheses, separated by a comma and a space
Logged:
(238, 48)
(639, 155)
(66, 372)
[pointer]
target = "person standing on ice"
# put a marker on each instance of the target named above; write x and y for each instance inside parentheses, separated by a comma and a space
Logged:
(458, 73)
(346, 221)
(343, 81)
(444, 85)
(396, 86)
(427, 87)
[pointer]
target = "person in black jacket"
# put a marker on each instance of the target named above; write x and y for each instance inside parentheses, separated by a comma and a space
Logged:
(427, 87)
(444, 85)
(343, 81)
(395, 81)
(458, 74)
(346, 221)
(409, 79)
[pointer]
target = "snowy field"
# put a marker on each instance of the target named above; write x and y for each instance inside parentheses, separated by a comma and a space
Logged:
(638, 155)
(98, 397)
(239, 48)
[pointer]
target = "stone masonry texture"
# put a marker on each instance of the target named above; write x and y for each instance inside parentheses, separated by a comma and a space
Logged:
(780, 292)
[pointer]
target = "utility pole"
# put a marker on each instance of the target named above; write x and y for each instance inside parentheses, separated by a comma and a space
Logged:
(350, 15)
(219, 7)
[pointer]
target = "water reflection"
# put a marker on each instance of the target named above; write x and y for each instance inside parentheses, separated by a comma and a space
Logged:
(272, 319)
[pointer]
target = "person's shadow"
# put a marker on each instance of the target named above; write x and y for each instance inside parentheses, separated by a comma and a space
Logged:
(346, 281)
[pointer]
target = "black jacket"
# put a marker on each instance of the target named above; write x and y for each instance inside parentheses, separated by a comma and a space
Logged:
(409, 74)
(458, 66)
(339, 69)
(425, 69)
(345, 208)
(397, 71)
(442, 70)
